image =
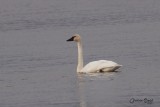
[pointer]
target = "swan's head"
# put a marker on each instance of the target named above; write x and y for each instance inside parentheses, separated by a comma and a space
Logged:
(75, 37)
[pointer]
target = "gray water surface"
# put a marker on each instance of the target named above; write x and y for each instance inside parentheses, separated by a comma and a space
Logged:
(38, 66)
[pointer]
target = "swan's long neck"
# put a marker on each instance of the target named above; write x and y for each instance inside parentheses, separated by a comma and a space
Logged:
(80, 56)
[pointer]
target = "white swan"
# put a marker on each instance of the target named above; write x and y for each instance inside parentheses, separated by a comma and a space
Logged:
(95, 66)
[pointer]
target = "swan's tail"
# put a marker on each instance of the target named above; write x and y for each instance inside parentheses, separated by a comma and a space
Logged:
(120, 65)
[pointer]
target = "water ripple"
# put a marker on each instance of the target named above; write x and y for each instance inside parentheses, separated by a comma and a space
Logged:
(77, 20)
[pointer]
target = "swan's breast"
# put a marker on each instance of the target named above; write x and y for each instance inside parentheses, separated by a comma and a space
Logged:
(90, 67)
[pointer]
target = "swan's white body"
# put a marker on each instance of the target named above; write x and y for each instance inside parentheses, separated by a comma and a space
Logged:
(100, 66)
(95, 66)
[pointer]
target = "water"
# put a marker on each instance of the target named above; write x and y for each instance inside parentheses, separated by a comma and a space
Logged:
(38, 66)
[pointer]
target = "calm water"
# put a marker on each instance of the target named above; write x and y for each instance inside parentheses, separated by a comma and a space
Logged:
(38, 66)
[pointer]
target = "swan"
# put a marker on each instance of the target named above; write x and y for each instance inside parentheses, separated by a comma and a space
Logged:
(95, 66)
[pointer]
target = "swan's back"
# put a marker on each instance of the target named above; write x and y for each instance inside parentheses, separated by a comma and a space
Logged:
(100, 66)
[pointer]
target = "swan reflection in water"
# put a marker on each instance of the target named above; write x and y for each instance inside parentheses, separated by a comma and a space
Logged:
(81, 90)
(83, 79)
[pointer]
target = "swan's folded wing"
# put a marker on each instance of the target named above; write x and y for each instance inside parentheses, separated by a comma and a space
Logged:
(106, 64)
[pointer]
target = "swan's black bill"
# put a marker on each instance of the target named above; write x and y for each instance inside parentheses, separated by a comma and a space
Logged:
(71, 39)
